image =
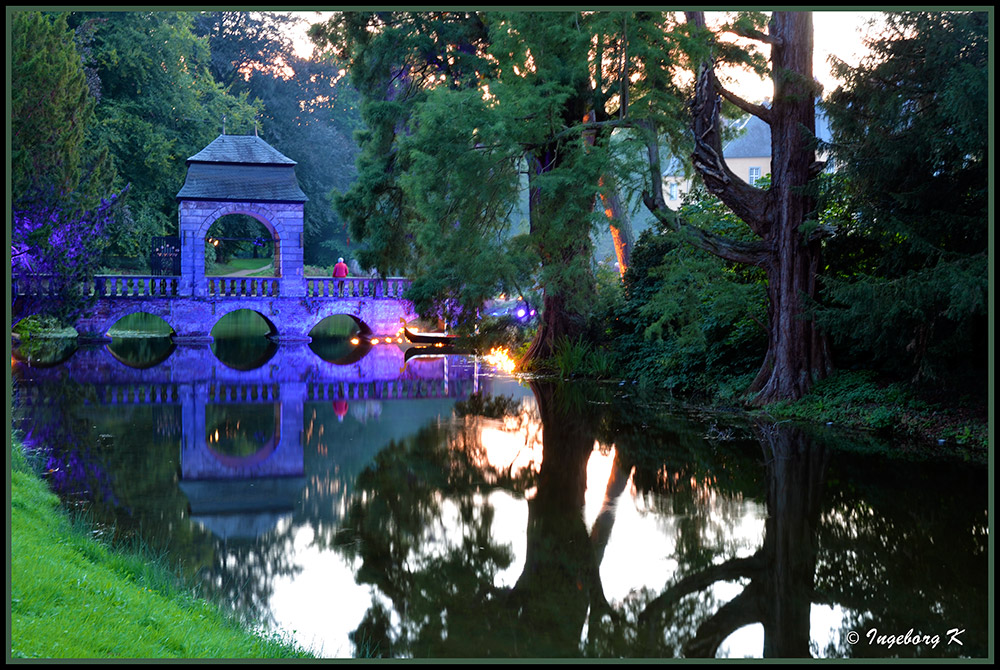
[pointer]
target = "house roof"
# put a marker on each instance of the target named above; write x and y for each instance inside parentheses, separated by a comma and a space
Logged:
(241, 168)
(242, 149)
(755, 138)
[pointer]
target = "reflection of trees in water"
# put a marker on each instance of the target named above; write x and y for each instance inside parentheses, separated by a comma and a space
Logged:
(395, 525)
(899, 557)
(844, 530)
(870, 544)
(448, 606)
(61, 439)
(780, 573)
(242, 573)
(119, 467)
(701, 492)
(444, 592)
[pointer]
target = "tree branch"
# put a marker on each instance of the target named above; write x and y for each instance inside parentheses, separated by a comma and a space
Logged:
(724, 572)
(761, 112)
(741, 611)
(750, 253)
(747, 202)
(593, 125)
(752, 34)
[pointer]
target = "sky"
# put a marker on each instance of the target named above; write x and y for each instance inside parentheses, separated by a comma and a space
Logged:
(838, 33)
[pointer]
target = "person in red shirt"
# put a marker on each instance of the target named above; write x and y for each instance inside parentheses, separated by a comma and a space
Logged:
(339, 272)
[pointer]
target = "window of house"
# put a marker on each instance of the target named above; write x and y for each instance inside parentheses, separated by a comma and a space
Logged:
(754, 175)
(673, 190)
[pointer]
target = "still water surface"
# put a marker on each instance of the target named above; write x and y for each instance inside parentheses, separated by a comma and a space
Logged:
(372, 505)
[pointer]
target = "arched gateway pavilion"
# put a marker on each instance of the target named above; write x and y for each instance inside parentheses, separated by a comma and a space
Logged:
(241, 174)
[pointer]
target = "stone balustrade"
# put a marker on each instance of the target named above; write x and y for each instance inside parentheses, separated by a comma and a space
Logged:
(150, 286)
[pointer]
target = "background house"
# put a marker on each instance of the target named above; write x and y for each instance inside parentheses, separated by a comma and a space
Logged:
(748, 155)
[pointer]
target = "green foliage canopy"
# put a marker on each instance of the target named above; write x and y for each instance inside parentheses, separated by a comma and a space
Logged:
(54, 157)
(307, 112)
(467, 112)
(159, 105)
(909, 285)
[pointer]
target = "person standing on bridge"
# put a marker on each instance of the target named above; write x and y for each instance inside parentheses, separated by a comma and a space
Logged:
(340, 271)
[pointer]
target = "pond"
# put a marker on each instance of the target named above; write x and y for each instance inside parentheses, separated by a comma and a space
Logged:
(371, 502)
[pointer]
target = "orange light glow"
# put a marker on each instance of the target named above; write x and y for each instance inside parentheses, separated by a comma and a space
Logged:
(355, 340)
(500, 358)
(374, 340)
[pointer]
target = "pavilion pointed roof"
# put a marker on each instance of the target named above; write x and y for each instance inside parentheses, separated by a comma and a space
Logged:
(241, 168)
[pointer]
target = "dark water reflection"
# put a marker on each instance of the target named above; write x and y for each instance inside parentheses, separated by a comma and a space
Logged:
(434, 507)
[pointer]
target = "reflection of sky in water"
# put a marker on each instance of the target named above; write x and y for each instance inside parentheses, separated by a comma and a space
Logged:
(320, 605)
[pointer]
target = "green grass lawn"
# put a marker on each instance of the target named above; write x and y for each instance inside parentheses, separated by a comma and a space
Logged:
(74, 597)
(240, 265)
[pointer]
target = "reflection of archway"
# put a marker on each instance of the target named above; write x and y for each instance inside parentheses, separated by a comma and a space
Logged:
(336, 339)
(44, 353)
(140, 340)
(341, 353)
(141, 353)
(241, 174)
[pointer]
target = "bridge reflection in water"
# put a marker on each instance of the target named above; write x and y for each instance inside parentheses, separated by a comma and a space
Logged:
(242, 437)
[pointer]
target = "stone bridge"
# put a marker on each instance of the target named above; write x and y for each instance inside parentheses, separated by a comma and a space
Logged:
(291, 307)
(238, 175)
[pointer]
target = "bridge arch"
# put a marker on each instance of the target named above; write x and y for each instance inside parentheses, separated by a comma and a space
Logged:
(106, 313)
(223, 309)
(362, 327)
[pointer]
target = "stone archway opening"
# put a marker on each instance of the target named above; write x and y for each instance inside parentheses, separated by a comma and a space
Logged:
(338, 339)
(242, 245)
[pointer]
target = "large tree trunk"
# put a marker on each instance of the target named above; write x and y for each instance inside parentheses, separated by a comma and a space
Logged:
(567, 278)
(619, 225)
(797, 353)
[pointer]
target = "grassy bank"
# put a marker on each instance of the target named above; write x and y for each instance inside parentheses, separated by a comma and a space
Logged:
(860, 400)
(74, 597)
